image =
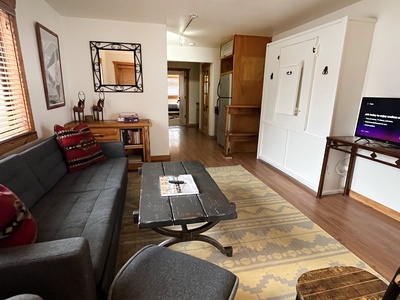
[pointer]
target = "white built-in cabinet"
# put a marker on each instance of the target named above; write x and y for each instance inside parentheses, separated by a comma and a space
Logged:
(312, 89)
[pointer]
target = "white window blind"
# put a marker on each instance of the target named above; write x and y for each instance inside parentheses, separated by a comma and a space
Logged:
(15, 115)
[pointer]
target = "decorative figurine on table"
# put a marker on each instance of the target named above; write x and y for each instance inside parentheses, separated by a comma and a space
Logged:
(99, 108)
(80, 109)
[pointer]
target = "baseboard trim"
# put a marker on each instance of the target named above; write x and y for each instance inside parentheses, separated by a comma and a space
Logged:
(160, 158)
(375, 205)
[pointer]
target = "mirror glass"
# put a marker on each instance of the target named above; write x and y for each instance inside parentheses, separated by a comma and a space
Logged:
(117, 67)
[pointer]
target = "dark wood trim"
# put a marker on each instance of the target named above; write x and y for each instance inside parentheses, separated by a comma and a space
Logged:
(17, 142)
(8, 6)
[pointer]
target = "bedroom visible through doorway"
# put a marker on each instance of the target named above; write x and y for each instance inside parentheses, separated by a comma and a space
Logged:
(177, 100)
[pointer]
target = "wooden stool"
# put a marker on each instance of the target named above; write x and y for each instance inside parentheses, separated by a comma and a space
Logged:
(339, 283)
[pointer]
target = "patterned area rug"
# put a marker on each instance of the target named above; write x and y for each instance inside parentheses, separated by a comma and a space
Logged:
(273, 243)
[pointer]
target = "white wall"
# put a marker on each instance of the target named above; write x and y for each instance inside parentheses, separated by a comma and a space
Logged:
(74, 35)
(200, 55)
(375, 181)
(150, 104)
(28, 12)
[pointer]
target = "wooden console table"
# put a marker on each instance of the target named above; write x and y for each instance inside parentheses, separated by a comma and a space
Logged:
(135, 135)
(349, 144)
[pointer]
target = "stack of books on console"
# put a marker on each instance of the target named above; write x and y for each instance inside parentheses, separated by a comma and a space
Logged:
(128, 117)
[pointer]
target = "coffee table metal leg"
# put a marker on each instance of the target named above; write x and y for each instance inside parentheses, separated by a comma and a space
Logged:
(186, 235)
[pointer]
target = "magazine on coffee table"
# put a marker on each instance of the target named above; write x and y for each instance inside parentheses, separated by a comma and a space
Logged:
(177, 185)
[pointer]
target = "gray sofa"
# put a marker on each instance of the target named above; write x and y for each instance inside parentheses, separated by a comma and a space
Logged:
(78, 217)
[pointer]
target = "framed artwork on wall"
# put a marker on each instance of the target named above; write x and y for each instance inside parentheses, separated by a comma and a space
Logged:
(50, 61)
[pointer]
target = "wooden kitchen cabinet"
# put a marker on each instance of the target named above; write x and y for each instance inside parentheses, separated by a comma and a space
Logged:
(244, 57)
(135, 135)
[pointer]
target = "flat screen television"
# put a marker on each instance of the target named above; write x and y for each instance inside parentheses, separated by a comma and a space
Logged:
(379, 119)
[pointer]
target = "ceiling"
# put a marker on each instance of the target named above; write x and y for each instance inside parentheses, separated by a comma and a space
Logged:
(216, 21)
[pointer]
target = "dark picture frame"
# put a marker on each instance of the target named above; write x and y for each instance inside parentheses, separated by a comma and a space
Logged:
(50, 62)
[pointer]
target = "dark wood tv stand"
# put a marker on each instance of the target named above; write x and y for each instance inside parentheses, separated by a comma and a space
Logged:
(351, 145)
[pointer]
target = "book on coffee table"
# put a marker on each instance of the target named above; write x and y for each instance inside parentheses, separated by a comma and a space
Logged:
(177, 185)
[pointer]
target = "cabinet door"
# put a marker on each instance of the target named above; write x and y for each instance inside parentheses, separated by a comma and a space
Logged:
(288, 90)
(226, 49)
(294, 91)
(270, 83)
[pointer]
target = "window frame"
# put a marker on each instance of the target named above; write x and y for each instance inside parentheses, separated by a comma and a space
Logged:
(14, 142)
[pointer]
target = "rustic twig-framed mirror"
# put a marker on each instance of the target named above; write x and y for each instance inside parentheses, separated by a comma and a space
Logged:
(117, 67)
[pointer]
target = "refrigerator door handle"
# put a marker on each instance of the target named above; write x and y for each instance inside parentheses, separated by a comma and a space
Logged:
(216, 108)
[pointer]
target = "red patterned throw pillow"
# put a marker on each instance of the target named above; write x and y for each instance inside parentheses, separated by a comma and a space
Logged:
(17, 226)
(79, 146)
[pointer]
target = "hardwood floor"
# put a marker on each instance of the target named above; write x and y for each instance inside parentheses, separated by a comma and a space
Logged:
(369, 234)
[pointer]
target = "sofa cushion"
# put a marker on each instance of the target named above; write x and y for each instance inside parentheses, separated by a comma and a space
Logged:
(79, 146)
(88, 214)
(17, 175)
(17, 226)
(110, 173)
(47, 162)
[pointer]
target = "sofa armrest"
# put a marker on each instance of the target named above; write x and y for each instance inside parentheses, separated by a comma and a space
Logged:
(113, 149)
(60, 269)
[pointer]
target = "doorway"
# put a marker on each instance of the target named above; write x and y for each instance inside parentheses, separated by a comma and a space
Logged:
(178, 96)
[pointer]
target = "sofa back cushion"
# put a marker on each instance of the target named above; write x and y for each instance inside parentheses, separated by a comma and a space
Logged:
(47, 162)
(18, 176)
(79, 146)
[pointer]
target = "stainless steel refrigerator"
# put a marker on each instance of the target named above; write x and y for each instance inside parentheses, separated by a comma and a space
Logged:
(224, 93)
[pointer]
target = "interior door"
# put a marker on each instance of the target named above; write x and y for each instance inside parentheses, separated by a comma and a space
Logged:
(182, 98)
(205, 98)
(295, 82)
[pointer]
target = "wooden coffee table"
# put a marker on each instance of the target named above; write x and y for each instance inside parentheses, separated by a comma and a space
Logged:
(157, 212)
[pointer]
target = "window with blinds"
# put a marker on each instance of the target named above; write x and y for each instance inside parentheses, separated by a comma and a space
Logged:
(16, 122)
